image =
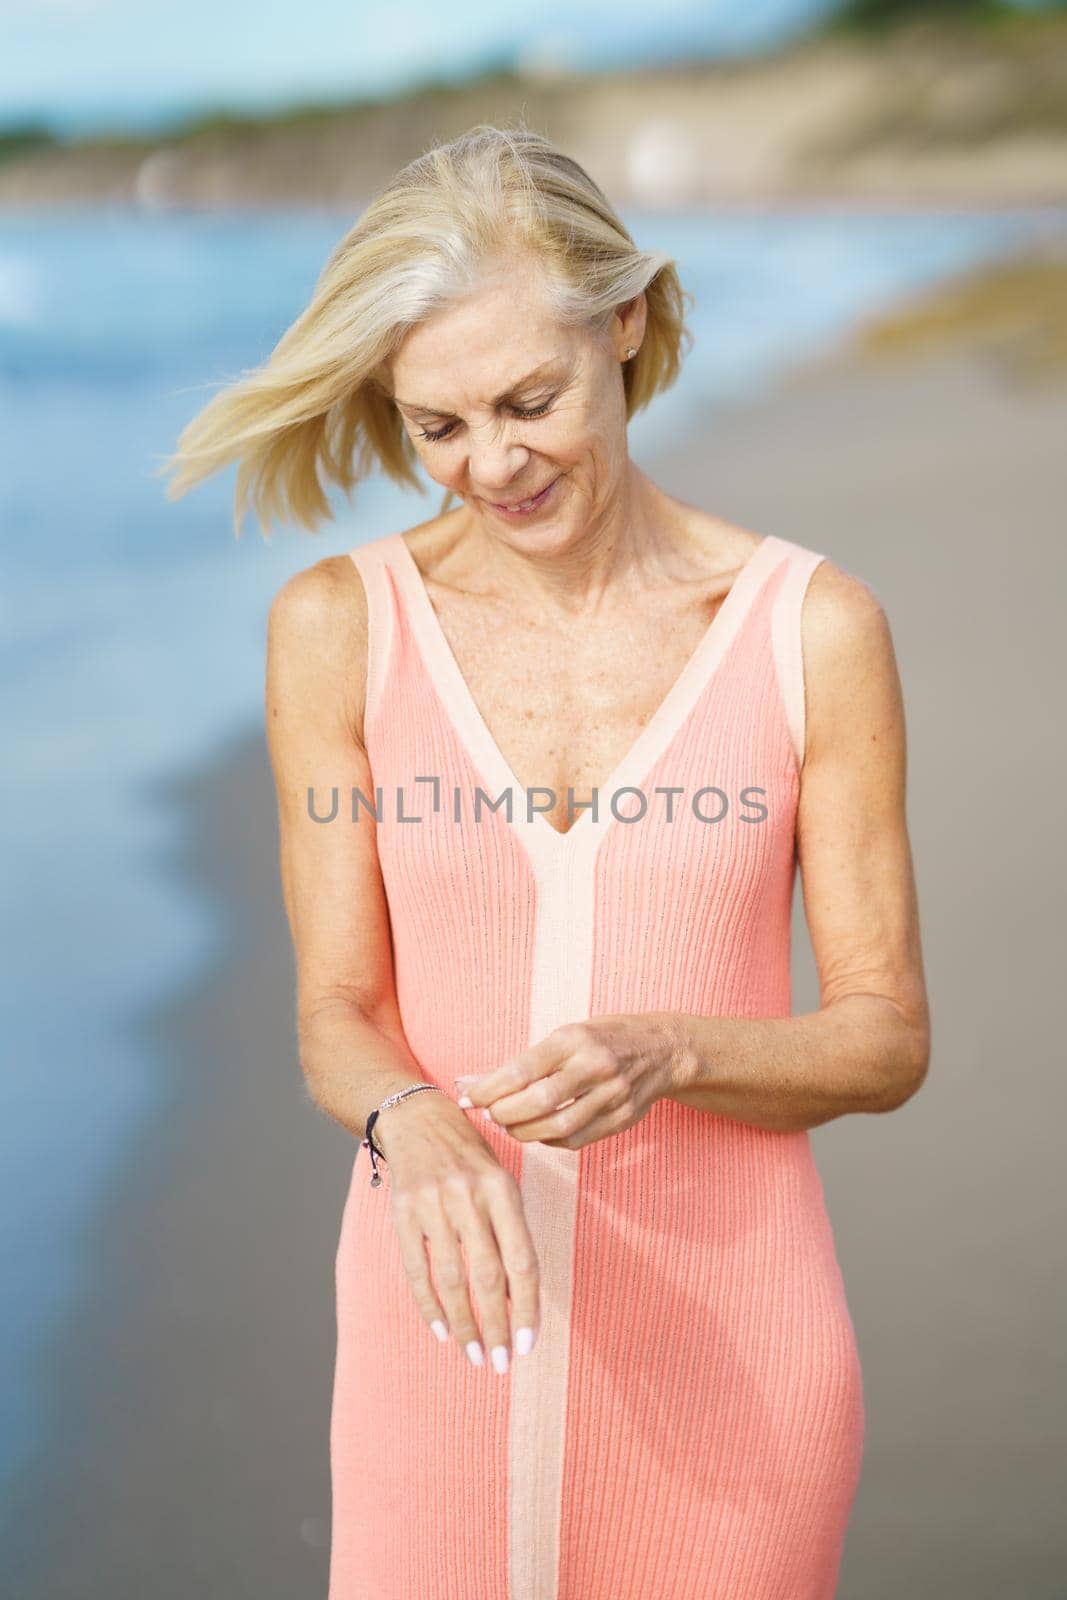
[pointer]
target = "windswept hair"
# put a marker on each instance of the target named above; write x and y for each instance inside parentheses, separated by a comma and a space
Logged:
(317, 408)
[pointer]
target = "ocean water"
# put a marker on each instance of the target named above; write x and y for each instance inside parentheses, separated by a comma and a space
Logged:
(133, 629)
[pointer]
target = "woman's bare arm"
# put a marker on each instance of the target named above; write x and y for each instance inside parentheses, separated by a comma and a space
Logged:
(351, 1042)
(867, 1047)
(455, 1208)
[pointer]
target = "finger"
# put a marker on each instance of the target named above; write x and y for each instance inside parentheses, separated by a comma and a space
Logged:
(515, 1073)
(589, 1068)
(519, 1255)
(601, 1108)
(540, 1099)
(510, 1075)
(417, 1265)
(487, 1278)
(450, 1277)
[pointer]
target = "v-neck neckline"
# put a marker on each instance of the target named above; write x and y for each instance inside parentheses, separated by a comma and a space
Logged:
(643, 753)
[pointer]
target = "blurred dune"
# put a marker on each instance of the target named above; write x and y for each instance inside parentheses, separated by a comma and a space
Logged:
(927, 112)
(1010, 315)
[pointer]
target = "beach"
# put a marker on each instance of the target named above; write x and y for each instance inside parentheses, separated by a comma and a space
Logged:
(190, 1385)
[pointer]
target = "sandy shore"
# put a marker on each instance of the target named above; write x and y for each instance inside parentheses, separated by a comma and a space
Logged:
(191, 1385)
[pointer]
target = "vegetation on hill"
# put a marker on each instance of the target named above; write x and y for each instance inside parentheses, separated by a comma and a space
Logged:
(18, 138)
(859, 16)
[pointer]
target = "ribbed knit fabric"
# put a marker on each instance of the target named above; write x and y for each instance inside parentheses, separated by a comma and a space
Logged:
(689, 1425)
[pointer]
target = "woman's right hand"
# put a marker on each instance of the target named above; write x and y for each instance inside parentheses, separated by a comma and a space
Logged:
(448, 1191)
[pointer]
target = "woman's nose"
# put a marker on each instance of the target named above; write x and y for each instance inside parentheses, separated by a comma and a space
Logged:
(494, 459)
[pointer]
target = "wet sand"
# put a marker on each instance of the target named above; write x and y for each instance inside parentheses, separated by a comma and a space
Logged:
(191, 1384)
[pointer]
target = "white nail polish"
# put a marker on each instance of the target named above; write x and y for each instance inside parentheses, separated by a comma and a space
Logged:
(500, 1357)
(474, 1350)
(485, 1112)
(439, 1329)
(524, 1341)
(465, 1101)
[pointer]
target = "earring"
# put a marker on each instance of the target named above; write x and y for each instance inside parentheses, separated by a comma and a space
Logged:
(630, 352)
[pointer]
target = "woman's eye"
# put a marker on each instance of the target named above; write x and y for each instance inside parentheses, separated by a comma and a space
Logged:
(443, 433)
(536, 411)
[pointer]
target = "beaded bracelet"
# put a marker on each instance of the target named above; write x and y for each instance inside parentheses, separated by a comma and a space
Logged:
(368, 1142)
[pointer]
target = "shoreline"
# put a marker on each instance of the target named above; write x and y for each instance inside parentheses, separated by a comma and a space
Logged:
(192, 1384)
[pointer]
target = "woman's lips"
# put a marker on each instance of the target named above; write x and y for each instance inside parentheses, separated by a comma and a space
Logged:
(527, 509)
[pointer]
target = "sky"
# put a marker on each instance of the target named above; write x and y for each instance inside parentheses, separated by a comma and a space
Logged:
(81, 66)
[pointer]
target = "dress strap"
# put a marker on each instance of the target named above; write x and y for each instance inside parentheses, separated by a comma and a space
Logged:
(371, 562)
(787, 643)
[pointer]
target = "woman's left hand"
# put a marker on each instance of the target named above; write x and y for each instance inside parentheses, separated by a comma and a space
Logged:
(583, 1081)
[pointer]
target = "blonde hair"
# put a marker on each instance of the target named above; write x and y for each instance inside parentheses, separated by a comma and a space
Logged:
(317, 409)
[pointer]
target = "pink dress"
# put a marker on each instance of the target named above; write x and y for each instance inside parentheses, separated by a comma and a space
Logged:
(690, 1422)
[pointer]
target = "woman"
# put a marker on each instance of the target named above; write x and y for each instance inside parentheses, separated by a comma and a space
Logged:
(606, 1182)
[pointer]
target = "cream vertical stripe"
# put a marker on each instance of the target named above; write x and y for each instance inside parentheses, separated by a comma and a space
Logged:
(563, 957)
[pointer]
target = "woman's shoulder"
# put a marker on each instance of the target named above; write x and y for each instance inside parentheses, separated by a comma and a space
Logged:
(317, 635)
(844, 629)
(332, 592)
(837, 602)
(850, 666)
(327, 594)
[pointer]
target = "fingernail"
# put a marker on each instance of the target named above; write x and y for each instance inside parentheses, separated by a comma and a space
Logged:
(500, 1357)
(524, 1340)
(439, 1328)
(466, 1102)
(485, 1111)
(474, 1350)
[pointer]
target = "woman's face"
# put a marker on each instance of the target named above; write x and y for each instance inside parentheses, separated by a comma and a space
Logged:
(502, 402)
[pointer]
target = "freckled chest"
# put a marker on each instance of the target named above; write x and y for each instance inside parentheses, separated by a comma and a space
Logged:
(566, 703)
